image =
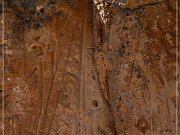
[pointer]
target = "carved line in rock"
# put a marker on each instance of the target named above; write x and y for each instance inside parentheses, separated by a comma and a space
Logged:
(82, 98)
(45, 104)
(76, 88)
(49, 95)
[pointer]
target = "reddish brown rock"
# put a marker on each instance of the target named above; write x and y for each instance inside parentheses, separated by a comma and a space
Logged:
(74, 67)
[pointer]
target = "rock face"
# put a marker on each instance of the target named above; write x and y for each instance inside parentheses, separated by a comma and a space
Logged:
(138, 70)
(83, 67)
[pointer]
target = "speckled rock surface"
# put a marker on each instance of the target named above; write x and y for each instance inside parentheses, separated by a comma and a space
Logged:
(138, 52)
(89, 67)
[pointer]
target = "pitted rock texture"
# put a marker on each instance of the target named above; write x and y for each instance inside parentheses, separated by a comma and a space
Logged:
(89, 67)
(138, 70)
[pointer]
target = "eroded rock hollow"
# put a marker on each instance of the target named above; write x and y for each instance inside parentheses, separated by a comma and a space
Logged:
(84, 67)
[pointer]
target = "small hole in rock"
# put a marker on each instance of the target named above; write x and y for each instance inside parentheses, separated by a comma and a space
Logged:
(95, 103)
(42, 10)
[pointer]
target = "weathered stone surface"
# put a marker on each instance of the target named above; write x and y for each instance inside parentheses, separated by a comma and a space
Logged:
(136, 66)
(74, 67)
(139, 3)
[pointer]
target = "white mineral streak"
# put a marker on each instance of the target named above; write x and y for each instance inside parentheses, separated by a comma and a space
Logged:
(102, 8)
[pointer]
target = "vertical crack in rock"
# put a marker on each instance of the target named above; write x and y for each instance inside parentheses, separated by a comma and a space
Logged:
(89, 67)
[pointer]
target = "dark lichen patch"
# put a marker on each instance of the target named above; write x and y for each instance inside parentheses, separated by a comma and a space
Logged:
(31, 18)
(59, 13)
(72, 2)
(127, 11)
(144, 84)
(27, 4)
(122, 50)
(121, 1)
(138, 70)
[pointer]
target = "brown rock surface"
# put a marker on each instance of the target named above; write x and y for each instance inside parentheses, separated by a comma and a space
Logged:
(78, 67)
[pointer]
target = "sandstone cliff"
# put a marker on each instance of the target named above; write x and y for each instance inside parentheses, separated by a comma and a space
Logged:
(89, 67)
